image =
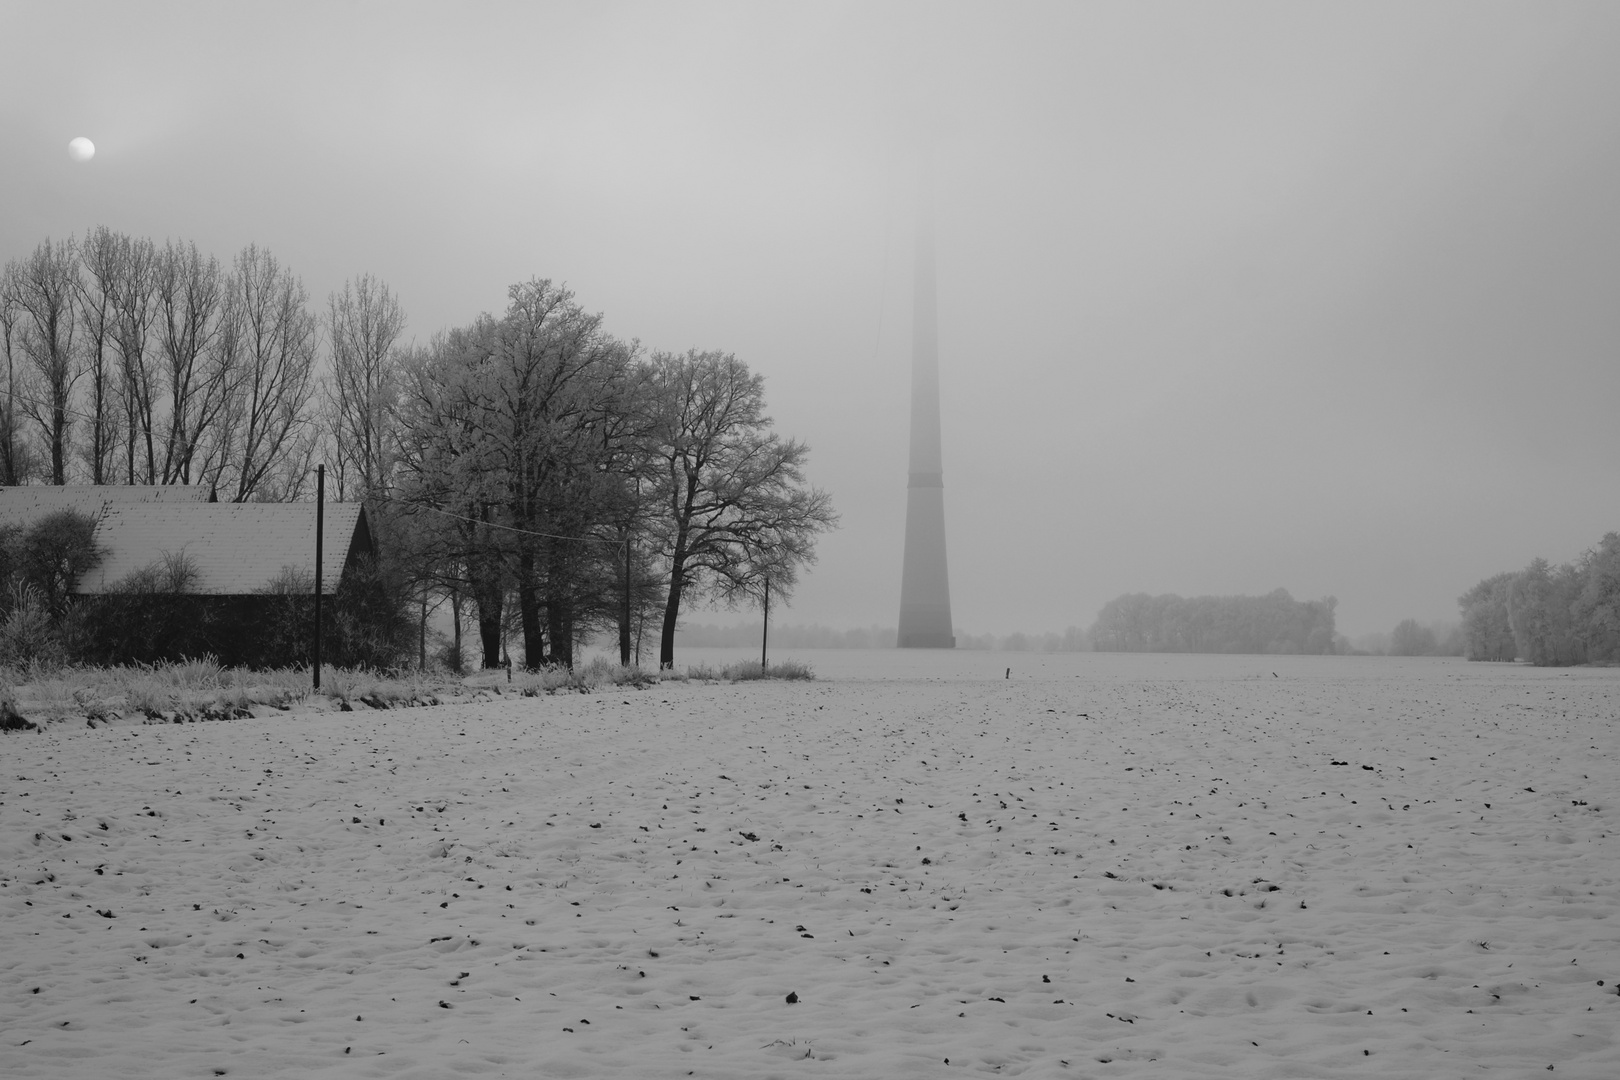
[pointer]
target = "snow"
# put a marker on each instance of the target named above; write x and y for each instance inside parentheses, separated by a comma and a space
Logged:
(1102, 866)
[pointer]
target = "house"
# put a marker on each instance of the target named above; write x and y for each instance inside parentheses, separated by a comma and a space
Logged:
(250, 600)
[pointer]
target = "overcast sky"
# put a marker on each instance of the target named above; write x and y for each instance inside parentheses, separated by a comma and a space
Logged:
(1232, 296)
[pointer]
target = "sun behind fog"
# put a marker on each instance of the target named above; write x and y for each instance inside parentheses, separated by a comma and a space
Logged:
(81, 149)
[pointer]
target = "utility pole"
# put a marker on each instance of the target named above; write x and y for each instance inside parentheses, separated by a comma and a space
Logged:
(765, 633)
(624, 623)
(320, 528)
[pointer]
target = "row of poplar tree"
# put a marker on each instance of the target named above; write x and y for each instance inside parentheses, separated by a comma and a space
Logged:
(546, 479)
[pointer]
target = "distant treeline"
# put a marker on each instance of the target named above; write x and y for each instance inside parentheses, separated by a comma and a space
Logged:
(873, 637)
(1071, 640)
(1548, 615)
(703, 636)
(1411, 638)
(1274, 623)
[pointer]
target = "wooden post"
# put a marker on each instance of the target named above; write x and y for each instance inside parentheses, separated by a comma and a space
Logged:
(320, 527)
(765, 633)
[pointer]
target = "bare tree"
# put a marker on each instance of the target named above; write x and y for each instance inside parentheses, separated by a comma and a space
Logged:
(101, 256)
(196, 351)
(15, 460)
(735, 509)
(272, 339)
(364, 324)
(43, 288)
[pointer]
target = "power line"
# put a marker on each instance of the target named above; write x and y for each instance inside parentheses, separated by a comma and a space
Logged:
(498, 525)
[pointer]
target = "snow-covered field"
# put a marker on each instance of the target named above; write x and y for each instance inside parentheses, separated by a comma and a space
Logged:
(1107, 866)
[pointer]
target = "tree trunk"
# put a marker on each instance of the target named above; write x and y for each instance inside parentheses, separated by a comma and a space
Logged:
(560, 576)
(534, 639)
(672, 607)
(624, 612)
(455, 611)
(488, 600)
(59, 445)
(560, 621)
(129, 435)
(421, 663)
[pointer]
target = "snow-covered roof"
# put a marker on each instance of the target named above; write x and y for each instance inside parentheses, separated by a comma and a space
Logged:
(236, 548)
(25, 504)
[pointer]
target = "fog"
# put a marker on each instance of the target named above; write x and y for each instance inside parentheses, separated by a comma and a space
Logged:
(1232, 297)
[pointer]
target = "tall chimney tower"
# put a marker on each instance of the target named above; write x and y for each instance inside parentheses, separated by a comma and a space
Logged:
(925, 587)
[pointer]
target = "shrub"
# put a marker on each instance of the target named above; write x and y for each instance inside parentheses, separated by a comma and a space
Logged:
(370, 624)
(40, 567)
(55, 552)
(604, 672)
(150, 694)
(201, 674)
(747, 670)
(340, 684)
(10, 554)
(792, 669)
(272, 628)
(28, 635)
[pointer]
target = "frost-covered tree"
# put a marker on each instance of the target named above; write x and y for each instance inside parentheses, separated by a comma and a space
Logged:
(734, 506)
(1409, 638)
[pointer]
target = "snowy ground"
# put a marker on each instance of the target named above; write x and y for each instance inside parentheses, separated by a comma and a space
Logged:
(1103, 866)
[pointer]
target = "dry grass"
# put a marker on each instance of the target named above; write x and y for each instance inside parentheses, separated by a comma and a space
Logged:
(748, 671)
(741, 671)
(204, 690)
(585, 678)
(194, 688)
